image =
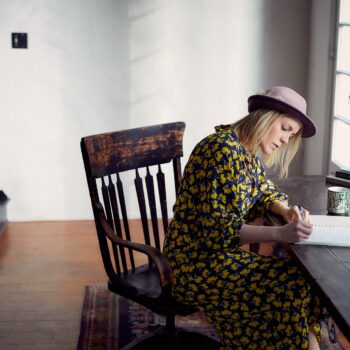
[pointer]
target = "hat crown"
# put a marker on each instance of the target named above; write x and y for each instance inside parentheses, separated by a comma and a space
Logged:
(284, 100)
(288, 96)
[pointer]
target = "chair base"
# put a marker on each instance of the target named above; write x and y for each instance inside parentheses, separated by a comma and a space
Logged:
(180, 339)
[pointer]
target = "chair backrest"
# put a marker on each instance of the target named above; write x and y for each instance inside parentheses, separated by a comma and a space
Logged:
(108, 155)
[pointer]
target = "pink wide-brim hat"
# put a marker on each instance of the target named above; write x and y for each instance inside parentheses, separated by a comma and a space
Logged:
(285, 100)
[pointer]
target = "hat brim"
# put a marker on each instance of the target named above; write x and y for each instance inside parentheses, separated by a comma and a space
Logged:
(256, 102)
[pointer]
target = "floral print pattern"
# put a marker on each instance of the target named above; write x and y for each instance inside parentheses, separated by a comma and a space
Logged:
(253, 301)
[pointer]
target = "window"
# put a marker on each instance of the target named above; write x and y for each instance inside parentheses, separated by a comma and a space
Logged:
(340, 151)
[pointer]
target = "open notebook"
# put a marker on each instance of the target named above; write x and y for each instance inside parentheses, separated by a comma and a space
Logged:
(329, 230)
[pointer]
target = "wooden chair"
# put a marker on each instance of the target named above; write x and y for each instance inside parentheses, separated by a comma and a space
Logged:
(107, 157)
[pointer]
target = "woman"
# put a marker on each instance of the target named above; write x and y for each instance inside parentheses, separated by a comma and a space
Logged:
(253, 301)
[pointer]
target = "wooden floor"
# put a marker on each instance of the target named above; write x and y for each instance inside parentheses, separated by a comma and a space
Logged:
(44, 267)
(43, 270)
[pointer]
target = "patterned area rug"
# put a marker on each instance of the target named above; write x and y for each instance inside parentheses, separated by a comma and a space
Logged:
(109, 321)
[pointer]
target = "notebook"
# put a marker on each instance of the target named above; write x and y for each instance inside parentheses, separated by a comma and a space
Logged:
(329, 230)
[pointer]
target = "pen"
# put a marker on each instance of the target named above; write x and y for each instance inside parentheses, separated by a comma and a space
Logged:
(301, 211)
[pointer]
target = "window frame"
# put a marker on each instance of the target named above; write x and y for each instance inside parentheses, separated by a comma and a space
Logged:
(334, 166)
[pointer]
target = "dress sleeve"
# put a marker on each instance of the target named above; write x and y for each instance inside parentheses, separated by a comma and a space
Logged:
(219, 204)
(269, 193)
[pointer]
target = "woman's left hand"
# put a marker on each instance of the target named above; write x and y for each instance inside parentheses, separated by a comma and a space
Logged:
(293, 214)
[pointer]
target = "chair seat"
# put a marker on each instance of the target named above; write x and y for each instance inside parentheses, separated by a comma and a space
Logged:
(144, 288)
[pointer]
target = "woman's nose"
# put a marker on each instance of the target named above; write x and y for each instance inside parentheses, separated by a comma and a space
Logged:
(284, 138)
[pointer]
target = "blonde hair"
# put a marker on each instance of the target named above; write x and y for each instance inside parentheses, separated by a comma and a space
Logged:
(251, 130)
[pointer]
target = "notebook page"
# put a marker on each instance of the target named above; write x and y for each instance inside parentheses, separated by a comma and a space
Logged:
(329, 230)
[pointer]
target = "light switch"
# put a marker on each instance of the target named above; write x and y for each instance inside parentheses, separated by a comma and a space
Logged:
(19, 40)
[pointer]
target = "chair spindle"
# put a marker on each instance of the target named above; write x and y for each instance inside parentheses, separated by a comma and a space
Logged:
(162, 198)
(125, 218)
(152, 206)
(107, 205)
(177, 174)
(115, 212)
(142, 206)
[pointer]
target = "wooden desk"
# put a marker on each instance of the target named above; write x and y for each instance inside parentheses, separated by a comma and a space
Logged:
(328, 271)
(326, 268)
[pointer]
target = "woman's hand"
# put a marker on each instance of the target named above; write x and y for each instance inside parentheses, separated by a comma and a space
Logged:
(294, 232)
(293, 214)
(298, 228)
(289, 214)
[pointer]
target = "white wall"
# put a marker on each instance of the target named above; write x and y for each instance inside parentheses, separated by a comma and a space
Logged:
(95, 66)
(199, 60)
(72, 81)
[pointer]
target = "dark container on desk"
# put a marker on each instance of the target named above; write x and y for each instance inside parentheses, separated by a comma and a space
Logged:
(3, 210)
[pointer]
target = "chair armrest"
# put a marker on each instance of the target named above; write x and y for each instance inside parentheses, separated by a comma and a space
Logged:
(160, 261)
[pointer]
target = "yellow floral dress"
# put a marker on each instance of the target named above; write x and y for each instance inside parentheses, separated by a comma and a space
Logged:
(253, 301)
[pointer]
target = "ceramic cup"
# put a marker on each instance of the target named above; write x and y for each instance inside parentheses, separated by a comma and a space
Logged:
(338, 201)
